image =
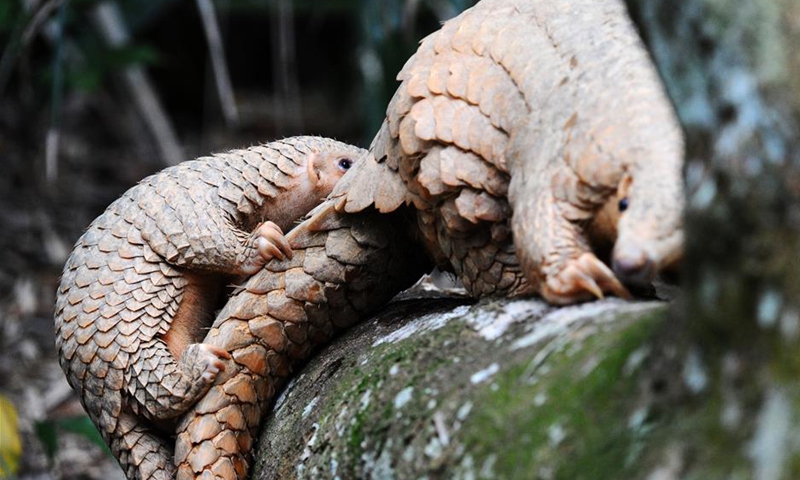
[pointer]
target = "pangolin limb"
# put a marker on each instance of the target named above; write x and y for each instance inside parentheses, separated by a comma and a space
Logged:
(139, 288)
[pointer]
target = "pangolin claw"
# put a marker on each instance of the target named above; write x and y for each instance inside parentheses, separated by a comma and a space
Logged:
(210, 360)
(582, 279)
(587, 283)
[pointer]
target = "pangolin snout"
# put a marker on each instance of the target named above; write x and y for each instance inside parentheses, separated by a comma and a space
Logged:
(634, 266)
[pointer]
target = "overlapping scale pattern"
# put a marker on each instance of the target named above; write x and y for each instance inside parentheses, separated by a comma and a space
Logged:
(342, 271)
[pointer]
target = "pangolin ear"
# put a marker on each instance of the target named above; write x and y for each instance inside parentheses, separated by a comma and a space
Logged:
(314, 168)
(623, 189)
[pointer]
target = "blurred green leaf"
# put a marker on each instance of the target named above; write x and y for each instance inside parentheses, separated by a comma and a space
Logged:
(47, 432)
(10, 440)
(47, 435)
(119, 58)
(102, 62)
(86, 79)
(84, 427)
(8, 16)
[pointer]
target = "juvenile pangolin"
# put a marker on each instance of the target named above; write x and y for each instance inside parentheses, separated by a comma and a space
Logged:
(138, 291)
(521, 131)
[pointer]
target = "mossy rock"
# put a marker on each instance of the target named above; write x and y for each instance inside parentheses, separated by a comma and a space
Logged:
(438, 388)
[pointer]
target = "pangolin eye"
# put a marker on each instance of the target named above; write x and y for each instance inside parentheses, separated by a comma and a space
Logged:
(345, 163)
(623, 204)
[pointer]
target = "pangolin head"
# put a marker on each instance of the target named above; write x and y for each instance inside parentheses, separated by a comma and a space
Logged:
(650, 228)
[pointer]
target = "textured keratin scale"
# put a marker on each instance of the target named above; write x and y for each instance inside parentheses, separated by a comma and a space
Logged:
(364, 263)
(141, 282)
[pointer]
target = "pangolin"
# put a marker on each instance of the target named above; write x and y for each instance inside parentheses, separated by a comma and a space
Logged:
(139, 289)
(523, 133)
(520, 131)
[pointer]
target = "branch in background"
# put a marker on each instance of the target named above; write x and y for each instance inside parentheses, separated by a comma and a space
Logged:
(54, 130)
(121, 118)
(21, 37)
(218, 63)
(284, 60)
(446, 9)
(410, 12)
(39, 19)
(108, 20)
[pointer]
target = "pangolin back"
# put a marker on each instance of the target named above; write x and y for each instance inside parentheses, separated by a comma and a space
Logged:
(343, 270)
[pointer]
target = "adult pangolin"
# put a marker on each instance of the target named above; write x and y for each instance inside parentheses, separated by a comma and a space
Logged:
(522, 131)
(523, 134)
(139, 289)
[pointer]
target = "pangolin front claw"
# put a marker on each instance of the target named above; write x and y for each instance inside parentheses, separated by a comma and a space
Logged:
(582, 279)
(206, 360)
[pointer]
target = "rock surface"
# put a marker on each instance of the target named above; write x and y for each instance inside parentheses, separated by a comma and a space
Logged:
(443, 388)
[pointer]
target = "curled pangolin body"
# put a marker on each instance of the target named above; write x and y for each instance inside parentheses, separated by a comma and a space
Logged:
(129, 274)
(513, 128)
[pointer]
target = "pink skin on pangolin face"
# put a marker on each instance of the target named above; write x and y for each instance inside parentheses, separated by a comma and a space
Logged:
(650, 236)
(326, 170)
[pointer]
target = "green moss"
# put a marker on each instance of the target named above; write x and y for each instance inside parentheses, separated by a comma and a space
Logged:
(603, 439)
(600, 420)
(588, 410)
(367, 422)
(356, 433)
